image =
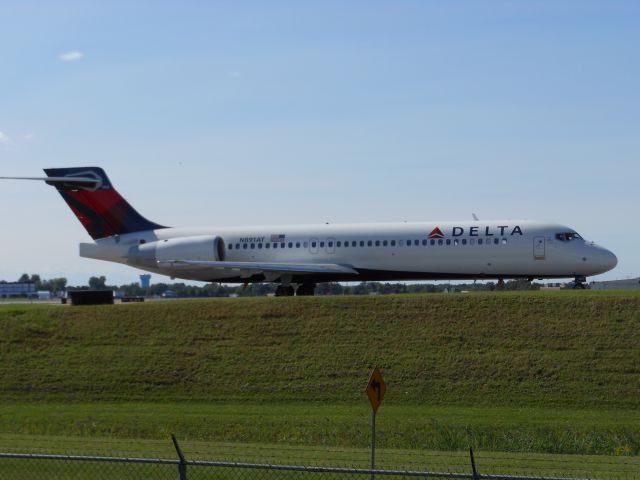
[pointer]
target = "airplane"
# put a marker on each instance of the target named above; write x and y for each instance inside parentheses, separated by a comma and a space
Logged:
(305, 255)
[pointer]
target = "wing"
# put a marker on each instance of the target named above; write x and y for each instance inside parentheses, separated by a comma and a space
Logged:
(271, 270)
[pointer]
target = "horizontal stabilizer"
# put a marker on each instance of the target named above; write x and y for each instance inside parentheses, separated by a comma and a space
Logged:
(55, 179)
(65, 183)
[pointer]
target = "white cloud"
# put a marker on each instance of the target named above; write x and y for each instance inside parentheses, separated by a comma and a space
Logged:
(71, 56)
(4, 138)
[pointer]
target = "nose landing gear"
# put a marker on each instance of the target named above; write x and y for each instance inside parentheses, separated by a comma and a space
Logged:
(579, 283)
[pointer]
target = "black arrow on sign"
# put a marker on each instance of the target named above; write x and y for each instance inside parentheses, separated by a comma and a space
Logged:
(375, 384)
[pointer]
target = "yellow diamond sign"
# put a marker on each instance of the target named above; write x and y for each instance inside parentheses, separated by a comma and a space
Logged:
(376, 389)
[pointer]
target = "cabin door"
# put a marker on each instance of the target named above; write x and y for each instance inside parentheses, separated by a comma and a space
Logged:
(313, 245)
(539, 248)
(331, 246)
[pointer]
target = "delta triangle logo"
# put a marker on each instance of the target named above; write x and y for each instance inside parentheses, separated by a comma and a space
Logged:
(436, 233)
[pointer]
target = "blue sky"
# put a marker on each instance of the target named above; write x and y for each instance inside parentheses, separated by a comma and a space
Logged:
(240, 113)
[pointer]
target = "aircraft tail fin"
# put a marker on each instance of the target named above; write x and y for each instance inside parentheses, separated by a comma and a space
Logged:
(100, 208)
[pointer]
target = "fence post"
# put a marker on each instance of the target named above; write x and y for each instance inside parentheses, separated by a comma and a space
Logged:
(473, 465)
(182, 466)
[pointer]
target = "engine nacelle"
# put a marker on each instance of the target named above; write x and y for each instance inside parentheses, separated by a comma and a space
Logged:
(204, 247)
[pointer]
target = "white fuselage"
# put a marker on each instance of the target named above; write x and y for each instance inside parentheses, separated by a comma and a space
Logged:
(394, 251)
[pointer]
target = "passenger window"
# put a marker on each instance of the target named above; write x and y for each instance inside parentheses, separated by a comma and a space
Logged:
(253, 246)
(377, 243)
(297, 244)
(479, 241)
(362, 243)
(275, 245)
(354, 243)
(464, 241)
(385, 243)
(433, 242)
(346, 244)
(448, 241)
(440, 242)
(393, 243)
(230, 246)
(259, 246)
(455, 242)
(283, 245)
(290, 244)
(338, 243)
(244, 246)
(496, 241)
(369, 243)
(472, 241)
(504, 241)
(330, 244)
(321, 244)
(313, 244)
(424, 243)
(267, 245)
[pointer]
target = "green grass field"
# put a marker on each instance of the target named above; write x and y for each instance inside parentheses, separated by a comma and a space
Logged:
(554, 374)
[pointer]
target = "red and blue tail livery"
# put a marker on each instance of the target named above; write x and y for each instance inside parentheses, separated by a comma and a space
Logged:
(100, 208)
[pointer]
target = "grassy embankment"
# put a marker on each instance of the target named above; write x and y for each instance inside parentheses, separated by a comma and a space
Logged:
(524, 372)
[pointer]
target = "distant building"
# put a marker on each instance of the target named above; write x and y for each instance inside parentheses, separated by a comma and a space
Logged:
(18, 289)
(44, 295)
(145, 280)
(616, 284)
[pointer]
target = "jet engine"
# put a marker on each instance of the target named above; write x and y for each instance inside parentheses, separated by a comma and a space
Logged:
(204, 247)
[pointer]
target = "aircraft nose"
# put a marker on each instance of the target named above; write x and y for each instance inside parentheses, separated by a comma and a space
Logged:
(610, 260)
(606, 259)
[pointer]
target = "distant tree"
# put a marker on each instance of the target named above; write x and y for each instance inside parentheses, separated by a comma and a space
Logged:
(329, 289)
(35, 278)
(97, 283)
(24, 278)
(521, 284)
(54, 285)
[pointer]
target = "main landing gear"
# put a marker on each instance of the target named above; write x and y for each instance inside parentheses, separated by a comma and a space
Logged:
(304, 290)
(284, 291)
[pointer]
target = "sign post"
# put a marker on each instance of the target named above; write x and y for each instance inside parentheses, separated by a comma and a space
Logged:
(376, 389)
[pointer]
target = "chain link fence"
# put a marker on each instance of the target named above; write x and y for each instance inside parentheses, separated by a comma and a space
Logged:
(466, 465)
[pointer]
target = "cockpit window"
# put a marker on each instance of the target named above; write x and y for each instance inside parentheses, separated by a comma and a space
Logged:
(567, 236)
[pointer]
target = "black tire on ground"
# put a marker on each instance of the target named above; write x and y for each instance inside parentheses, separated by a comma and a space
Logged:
(306, 290)
(284, 291)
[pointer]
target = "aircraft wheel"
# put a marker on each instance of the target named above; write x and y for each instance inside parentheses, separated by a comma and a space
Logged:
(284, 291)
(306, 290)
(579, 283)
